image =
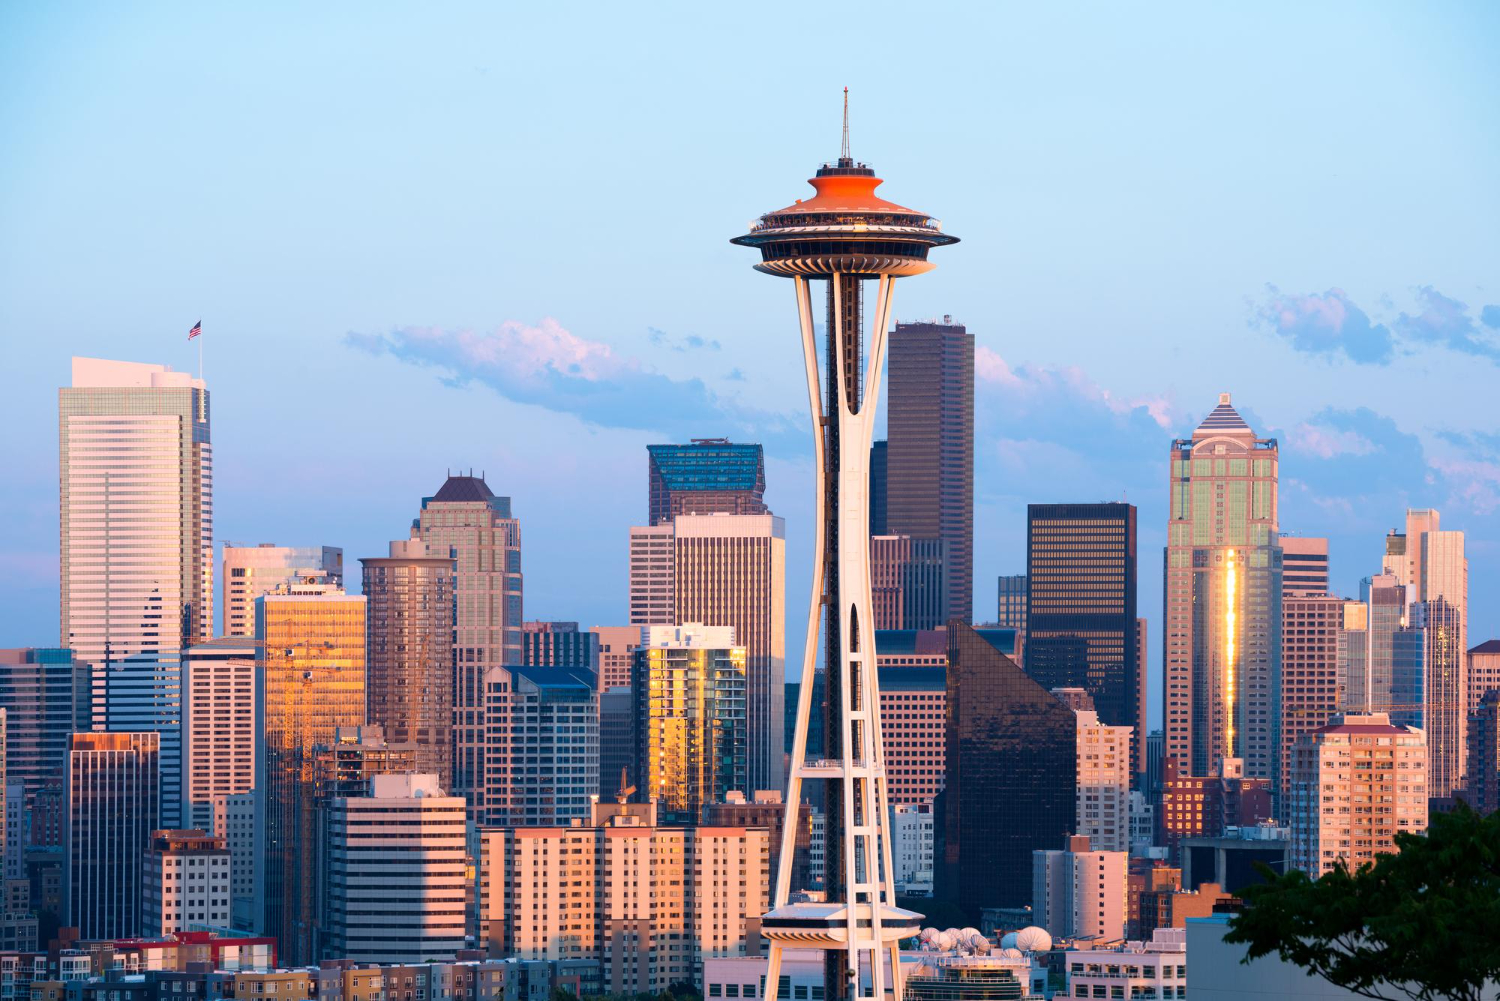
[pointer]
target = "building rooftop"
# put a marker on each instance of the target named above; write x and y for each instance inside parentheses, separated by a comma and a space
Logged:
(1223, 420)
(1488, 646)
(463, 490)
(709, 464)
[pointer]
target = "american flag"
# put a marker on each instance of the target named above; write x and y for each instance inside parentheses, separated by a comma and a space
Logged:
(197, 329)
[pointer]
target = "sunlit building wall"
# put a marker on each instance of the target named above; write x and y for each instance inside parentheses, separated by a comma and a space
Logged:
(248, 572)
(312, 676)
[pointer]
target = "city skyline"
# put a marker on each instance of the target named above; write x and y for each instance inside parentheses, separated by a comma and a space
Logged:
(1066, 355)
(901, 680)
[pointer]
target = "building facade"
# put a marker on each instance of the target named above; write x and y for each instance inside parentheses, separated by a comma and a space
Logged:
(1484, 754)
(724, 570)
(1304, 566)
(311, 670)
(1311, 692)
(559, 644)
(1079, 892)
(930, 450)
(1222, 642)
(395, 871)
(1011, 611)
(1355, 785)
(650, 903)
(1081, 606)
(134, 448)
(541, 763)
(222, 719)
(705, 476)
(251, 571)
(47, 697)
(186, 883)
(617, 647)
(1012, 776)
(112, 801)
(409, 621)
(1105, 774)
(913, 716)
(689, 695)
(908, 582)
(468, 521)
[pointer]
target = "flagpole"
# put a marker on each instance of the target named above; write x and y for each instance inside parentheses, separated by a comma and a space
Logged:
(200, 353)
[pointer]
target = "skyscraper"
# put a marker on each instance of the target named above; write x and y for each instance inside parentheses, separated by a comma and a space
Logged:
(395, 873)
(409, 651)
(1311, 626)
(1080, 606)
(1011, 612)
(112, 801)
(47, 698)
(1011, 787)
(844, 235)
(879, 455)
(1105, 771)
(1483, 791)
(312, 676)
(542, 747)
(251, 571)
(706, 476)
(222, 721)
(1484, 670)
(930, 463)
(689, 692)
(467, 521)
(1432, 565)
(724, 570)
(134, 449)
(908, 582)
(1222, 641)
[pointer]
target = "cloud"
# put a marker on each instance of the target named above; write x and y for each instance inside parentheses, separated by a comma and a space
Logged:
(1325, 442)
(1038, 381)
(1445, 321)
(1326, 324)
(692, 342)
(548, 366)
(1490, 316)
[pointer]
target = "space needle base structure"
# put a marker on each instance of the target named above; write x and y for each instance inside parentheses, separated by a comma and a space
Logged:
(844, 236)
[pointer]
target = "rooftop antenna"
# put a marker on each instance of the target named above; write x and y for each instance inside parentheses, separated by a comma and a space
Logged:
(844, 149)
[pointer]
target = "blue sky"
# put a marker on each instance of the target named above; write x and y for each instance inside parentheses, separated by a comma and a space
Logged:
(497, 237)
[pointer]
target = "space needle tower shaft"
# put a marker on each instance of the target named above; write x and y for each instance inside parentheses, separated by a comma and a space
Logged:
(844, 236)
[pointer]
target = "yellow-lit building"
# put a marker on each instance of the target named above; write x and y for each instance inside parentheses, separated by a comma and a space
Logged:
(312, 677)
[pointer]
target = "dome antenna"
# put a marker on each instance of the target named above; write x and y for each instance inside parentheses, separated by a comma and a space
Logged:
(844, 158)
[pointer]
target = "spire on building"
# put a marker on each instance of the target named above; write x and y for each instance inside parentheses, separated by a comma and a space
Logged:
(845, 159)
(1223, 420)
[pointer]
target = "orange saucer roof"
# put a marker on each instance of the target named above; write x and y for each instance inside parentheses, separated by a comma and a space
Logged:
(845, 193)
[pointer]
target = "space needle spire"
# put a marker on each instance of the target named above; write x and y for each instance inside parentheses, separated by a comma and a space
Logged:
(844, 237)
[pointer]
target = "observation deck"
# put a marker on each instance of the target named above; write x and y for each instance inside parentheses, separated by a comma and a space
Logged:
(826, 925)
(844, 228)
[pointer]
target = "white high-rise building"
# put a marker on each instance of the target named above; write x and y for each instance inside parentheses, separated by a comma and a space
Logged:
(1355, 785)
(185, 883)
(1104, 773)
(724, 570)
(136, 575)
(912, 843)
(220, 720)
(251, 571)
(396, 873)
(1079, 893)
(234, 821)
(136, 504)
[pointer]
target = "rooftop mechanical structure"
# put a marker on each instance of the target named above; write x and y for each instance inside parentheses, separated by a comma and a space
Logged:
(843, 236)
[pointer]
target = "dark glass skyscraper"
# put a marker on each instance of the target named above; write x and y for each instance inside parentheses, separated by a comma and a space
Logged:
(879, 451)
(112, 803)
(706, 476)
(1080, 607)
(46, 696)
(930, 455)
(1011, 778)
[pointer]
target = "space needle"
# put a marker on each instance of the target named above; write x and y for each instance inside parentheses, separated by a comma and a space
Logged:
(844, 236)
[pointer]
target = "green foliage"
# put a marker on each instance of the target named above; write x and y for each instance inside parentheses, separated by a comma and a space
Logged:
(1423, 922)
